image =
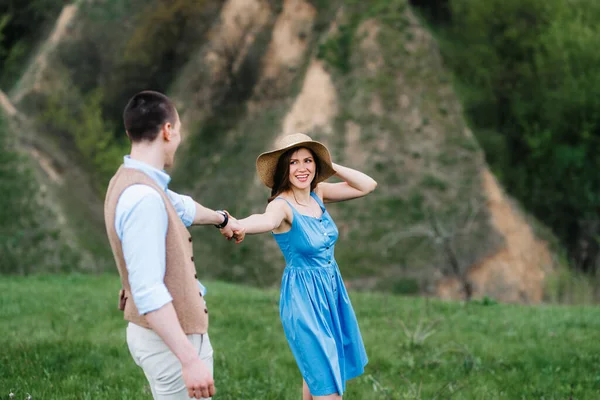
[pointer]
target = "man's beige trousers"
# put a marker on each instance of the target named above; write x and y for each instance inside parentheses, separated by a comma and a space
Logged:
(160, 365)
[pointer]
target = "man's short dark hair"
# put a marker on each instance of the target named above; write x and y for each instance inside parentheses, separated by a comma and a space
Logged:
(146, 113)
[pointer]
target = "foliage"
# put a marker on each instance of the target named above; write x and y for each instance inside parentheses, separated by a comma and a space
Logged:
(436, 10)
(122, 47)
(27, 242)
(70, 351)
(568, 286)
(80, 119)
(393, 88)
(22, 24)
(126, 47)
(17, 211)
(337, 48)
(527, 73)
(118, 49)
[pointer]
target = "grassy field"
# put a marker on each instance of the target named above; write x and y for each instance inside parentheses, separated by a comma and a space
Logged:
(61, 337)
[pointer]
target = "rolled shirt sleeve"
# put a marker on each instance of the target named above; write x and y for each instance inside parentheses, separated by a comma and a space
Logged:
(184, 206)
(141, 223)
(186, 209)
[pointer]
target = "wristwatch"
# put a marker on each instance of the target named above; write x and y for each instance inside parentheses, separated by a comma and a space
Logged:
(225, 221)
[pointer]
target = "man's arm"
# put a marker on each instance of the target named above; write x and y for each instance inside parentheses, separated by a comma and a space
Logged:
(233, 229)
(141, 224)
(206, 216)
(194, 213)
(197, 377)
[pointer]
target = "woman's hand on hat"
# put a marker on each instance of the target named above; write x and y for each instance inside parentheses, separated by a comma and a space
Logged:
(335, 167)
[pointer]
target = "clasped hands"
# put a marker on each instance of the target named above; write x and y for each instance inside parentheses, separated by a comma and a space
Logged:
(233, 230)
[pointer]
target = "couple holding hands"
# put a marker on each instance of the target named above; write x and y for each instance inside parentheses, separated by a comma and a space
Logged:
(161, 296)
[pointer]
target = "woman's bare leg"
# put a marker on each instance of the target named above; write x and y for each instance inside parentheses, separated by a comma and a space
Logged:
(305, 392)
(328, 397)
(307, 396)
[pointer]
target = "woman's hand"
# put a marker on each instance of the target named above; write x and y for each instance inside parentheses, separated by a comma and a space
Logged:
(233, 230)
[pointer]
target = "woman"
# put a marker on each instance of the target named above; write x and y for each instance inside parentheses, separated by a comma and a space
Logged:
(315, 310)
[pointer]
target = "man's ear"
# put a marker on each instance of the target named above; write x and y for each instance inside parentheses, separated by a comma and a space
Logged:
(166, 131)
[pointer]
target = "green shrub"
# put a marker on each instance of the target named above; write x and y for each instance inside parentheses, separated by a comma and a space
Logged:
(336, 50)
(126, 47)
(28, 240)
(22, 25)
(80, 120)
(566, 286)
(527, 74)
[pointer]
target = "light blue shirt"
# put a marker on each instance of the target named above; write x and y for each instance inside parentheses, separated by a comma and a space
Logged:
(141, 223)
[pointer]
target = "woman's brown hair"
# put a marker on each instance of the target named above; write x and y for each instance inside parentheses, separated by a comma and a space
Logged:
(281, 178)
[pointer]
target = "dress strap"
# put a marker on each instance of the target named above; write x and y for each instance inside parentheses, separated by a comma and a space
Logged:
(289, 204)
(318, 200)
(281, 198)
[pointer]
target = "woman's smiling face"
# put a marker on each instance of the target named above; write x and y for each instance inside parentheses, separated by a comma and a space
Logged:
(302, 168)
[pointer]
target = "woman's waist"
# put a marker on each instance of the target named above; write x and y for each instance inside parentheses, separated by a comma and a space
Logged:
(315, 265)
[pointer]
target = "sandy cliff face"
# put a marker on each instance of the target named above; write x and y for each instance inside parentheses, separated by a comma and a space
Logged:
(373, 88)
(515, 272)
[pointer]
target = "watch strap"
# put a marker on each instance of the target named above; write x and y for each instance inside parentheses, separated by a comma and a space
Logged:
(225, 221)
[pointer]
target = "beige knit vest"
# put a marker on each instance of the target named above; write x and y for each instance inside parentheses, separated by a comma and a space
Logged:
(180, 275)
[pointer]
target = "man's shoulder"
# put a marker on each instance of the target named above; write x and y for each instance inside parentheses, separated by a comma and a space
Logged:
(135, 194)
(139, 204)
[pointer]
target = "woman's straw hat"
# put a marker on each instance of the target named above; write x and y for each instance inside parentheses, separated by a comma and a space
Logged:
(266, 163)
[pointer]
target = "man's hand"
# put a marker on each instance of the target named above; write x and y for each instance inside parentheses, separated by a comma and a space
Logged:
(227, 231)
(198, 379)
(234, 230)
(196, 374)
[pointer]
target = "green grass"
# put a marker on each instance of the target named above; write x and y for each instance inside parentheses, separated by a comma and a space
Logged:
(63, 338)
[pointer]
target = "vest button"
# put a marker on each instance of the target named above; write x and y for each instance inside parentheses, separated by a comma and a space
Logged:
(192, 258)
(190, 239)
(205, 311)
(196, 276)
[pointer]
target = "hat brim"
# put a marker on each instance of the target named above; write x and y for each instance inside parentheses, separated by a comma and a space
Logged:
(266, 163)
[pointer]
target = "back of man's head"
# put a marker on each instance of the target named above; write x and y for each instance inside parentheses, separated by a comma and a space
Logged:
(146, 113)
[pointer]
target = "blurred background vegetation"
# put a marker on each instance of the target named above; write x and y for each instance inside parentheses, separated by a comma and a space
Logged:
(524, 73)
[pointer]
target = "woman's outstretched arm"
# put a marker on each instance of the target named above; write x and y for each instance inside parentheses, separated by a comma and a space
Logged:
(356, 184)
(275, 213)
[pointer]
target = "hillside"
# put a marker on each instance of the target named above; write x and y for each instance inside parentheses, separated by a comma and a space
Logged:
(478, 351)
(367, 80)
(526, 72)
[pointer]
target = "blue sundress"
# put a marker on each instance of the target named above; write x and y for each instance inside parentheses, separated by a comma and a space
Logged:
(315, 310)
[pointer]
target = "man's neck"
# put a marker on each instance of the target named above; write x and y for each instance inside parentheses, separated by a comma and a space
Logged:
(149, 154)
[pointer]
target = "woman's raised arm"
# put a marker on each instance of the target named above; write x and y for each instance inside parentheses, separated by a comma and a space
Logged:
(356, 184)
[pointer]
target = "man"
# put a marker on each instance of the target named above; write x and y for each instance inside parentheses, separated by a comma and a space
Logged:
(147, 225)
